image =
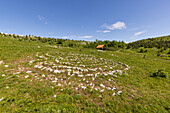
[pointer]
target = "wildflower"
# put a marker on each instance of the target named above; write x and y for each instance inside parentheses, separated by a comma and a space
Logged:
(54, 96)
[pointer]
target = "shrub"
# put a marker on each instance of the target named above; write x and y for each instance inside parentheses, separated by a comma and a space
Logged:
(141, 51)
(168, 52)
(159, 73)
(158, 54)
(161, 50)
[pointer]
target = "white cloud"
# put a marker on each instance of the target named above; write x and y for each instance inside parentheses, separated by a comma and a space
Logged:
(75, 37)
(43, 19)
(86, 37)
(117, 25)
(105, 31)
(67, 37)
(138, 33)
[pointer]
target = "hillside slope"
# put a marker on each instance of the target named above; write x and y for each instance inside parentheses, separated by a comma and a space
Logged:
(38, 77)
(158, 42)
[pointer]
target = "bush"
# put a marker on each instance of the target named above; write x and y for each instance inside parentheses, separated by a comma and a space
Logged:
(168, 52)
(158, 54)
(159, 73)
(141, 51)
(111, 48)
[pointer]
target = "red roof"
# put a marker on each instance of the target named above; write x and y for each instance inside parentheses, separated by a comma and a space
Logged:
(100, 46)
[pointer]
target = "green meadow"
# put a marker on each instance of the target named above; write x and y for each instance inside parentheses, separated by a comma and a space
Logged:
(38, 77)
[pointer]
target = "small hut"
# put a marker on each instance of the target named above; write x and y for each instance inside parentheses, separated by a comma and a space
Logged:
(101, 47)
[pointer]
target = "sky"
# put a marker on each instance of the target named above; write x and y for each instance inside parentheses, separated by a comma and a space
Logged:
(121, 20)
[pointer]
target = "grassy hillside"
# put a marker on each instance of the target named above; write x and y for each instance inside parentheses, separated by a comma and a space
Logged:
(159, 42)
(38, 77)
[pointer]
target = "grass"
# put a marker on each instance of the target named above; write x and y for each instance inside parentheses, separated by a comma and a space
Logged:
(35, 93)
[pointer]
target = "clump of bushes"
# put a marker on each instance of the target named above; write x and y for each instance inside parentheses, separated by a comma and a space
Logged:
(159, 73)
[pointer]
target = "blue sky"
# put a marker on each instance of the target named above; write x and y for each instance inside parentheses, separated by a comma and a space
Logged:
(126, 20)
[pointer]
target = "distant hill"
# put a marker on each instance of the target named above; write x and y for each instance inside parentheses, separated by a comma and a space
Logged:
(159, 42)
(67, 42)
(51, 41)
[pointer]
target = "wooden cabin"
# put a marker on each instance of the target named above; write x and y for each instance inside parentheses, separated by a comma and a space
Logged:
(100, 46)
